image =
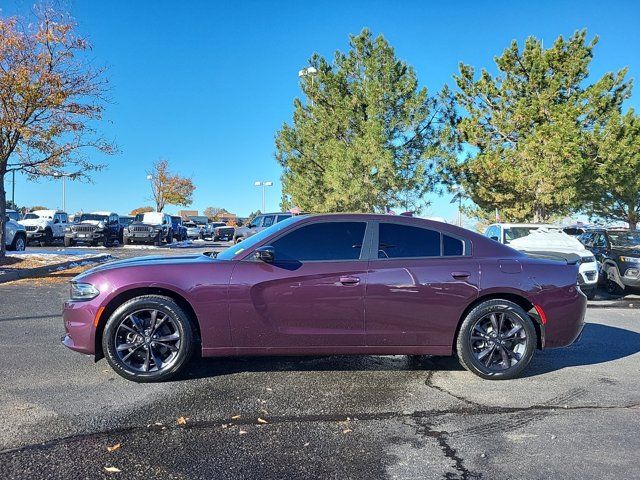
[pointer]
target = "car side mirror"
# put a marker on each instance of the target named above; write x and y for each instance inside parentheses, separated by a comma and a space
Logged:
(267, 254)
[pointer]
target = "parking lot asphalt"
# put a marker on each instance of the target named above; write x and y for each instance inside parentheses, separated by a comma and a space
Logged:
(575, 413)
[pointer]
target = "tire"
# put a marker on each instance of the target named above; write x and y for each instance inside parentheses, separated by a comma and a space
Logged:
(590, 294)
(169, 237)
(470, 351)
(613, 288)
(177, 323)
(19, 243)
(158, 240)
(48, 238)
(69, 242)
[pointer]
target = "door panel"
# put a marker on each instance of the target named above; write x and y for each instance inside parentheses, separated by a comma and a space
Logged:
(297, 304)
(418, 301)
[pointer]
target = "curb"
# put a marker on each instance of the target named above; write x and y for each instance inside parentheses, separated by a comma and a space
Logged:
(47, 269)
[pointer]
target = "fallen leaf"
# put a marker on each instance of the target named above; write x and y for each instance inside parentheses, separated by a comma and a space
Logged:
(182, 421)
(242, 432)
(269, 389)
(159, 424)
(235, 417)
(261, 420)
(306, 444)
(347, 430)
(113, 448)
(112, 469)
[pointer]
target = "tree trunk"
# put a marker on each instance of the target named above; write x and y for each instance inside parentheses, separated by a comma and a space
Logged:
(3, 218)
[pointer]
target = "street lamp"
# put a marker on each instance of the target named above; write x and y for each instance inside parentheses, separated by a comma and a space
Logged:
(308, 72)
(64, 186)
(264, 186)
(459, 195)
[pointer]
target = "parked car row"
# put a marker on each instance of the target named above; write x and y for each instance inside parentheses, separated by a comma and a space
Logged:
(108, 228)
(608, 255)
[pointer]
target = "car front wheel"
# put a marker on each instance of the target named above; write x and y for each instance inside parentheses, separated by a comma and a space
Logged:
(497, 340)
(148, 339)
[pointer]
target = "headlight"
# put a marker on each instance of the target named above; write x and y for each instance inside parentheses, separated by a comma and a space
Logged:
(630, 259)
(83, 291)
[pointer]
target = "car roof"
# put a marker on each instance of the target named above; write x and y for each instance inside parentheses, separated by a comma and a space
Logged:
(103, 212)
(47, 211)
(538, 225)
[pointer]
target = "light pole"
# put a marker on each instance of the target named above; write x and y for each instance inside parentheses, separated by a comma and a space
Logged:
(64, 187)
(264, 186)
(459, 195)
(308, 72)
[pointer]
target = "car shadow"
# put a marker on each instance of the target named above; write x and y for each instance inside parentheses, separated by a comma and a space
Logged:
(598, 344)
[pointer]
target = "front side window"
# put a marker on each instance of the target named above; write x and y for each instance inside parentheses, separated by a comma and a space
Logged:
(599, 240)
(324, 241)
(404, 241)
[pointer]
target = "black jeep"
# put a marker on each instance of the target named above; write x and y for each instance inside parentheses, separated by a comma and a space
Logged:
(618, 254)
(94, 228)
(149, 227)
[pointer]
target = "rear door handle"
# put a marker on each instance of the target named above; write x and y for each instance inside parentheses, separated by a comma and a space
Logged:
(349, 280)
(460, 275)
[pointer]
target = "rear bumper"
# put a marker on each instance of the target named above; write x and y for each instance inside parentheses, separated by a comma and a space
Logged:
(565, 309)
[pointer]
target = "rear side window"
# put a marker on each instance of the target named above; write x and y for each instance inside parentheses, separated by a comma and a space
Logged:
(402, 241)
(452, 246)
(321, 241)
(279, 218)
(267, 221)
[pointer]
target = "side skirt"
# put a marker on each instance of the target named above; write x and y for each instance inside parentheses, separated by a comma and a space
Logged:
(440, 350)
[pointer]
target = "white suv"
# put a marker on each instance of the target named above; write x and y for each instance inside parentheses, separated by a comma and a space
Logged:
(45, 226)
(552, 242)
(16, 235)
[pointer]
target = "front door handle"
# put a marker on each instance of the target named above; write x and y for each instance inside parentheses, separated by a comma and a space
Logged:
(460, 275)
(349, 280)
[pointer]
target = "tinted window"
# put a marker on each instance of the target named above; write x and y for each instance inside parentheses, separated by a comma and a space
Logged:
(282, 217)
(452, 246)
(322, 241)
(268, 221)
(599, 240)
(397, 241)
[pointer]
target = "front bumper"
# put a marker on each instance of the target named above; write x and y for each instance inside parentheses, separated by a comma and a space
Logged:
(35, 235)
(86, 237)
(79, 324)
(141, 237)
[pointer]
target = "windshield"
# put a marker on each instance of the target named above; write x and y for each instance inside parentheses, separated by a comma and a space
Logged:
(231, 252)
(126, 220)
(93, 217)
(625, 239)
(31, 216)
(512, 233)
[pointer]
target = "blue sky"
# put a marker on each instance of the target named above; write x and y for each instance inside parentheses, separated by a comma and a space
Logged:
(207, 84)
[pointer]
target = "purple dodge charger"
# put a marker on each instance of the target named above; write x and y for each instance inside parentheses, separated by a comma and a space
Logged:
(329, 284)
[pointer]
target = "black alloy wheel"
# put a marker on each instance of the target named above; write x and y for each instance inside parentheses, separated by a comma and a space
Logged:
(497, 340)
(148, 339)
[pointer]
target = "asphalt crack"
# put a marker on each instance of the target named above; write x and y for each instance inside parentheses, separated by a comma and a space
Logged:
(337, 417)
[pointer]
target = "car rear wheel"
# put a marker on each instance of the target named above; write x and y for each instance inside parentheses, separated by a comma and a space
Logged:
(148, 339)
(69, 242)
(497, 340)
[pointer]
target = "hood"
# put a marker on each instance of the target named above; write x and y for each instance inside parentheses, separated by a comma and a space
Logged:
(633, 251)
(34, 221)
(95, 223)
(550, 240)
(149, 261)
